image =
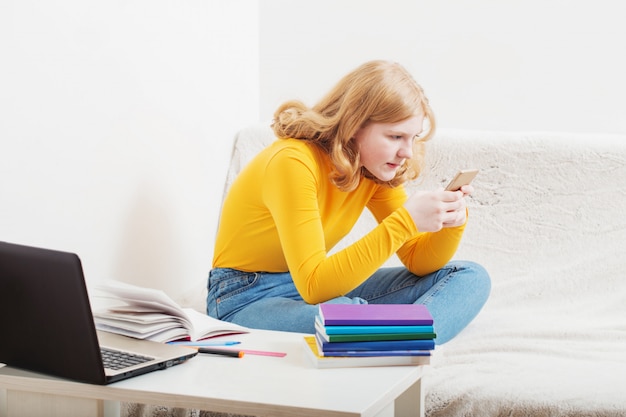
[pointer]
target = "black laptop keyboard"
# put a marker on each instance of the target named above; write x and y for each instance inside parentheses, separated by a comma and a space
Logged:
(115, 359)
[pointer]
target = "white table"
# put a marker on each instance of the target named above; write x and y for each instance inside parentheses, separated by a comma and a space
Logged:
(252, 385)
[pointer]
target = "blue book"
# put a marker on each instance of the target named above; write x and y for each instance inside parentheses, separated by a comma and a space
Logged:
(418, 344)
(368, 353)
(321, 360)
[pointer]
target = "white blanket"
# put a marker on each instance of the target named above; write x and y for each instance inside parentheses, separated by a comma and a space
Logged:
(548, 220)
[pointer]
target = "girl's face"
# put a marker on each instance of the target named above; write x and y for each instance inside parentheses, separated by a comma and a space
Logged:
(385, 146)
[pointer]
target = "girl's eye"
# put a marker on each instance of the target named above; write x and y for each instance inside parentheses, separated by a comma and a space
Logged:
(396, 137)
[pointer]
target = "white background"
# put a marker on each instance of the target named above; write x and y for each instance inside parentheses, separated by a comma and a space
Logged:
(485, 64)
(117, 117)
(116, 125)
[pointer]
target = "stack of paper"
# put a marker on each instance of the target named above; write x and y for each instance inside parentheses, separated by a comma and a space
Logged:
(147, 313)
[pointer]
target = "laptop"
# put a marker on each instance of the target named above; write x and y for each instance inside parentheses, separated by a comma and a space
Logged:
(47, 324)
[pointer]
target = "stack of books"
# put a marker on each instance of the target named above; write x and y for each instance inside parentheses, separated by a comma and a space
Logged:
(371, 335)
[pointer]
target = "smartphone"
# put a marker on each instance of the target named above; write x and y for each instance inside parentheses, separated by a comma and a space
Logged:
(463, 177)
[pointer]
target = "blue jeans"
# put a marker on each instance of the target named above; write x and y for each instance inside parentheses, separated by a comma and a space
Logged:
(261, 300)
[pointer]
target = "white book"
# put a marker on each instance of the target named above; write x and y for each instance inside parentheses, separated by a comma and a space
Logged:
(148, 313)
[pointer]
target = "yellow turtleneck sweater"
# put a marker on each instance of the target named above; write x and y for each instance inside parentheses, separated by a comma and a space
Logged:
(282, 214)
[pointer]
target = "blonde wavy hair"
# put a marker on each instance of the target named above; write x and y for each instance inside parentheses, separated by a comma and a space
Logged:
(375, 92)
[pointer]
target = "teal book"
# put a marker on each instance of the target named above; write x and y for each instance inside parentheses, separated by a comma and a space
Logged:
(374, 336)
(374, 329)
(363, 337)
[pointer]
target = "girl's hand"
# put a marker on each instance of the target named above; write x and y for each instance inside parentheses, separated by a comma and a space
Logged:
(433, 210)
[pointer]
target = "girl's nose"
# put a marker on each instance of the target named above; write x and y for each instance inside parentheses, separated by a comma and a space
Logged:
(406, 149)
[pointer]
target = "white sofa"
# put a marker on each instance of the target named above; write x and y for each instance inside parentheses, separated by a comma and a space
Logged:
(548, 221)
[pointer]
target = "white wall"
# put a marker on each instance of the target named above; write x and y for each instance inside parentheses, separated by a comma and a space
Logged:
(116, 117)
(486, 65)
(116, 125)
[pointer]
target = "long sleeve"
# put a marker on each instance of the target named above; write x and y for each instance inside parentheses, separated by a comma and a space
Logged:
(283, 214)
(424, 252)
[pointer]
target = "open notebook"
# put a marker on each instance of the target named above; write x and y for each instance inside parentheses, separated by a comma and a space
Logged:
(47, 325)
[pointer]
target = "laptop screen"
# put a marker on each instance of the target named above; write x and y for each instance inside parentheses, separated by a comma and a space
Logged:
(45, 315)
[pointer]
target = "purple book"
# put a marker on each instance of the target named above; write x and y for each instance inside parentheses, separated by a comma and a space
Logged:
(374, 314)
